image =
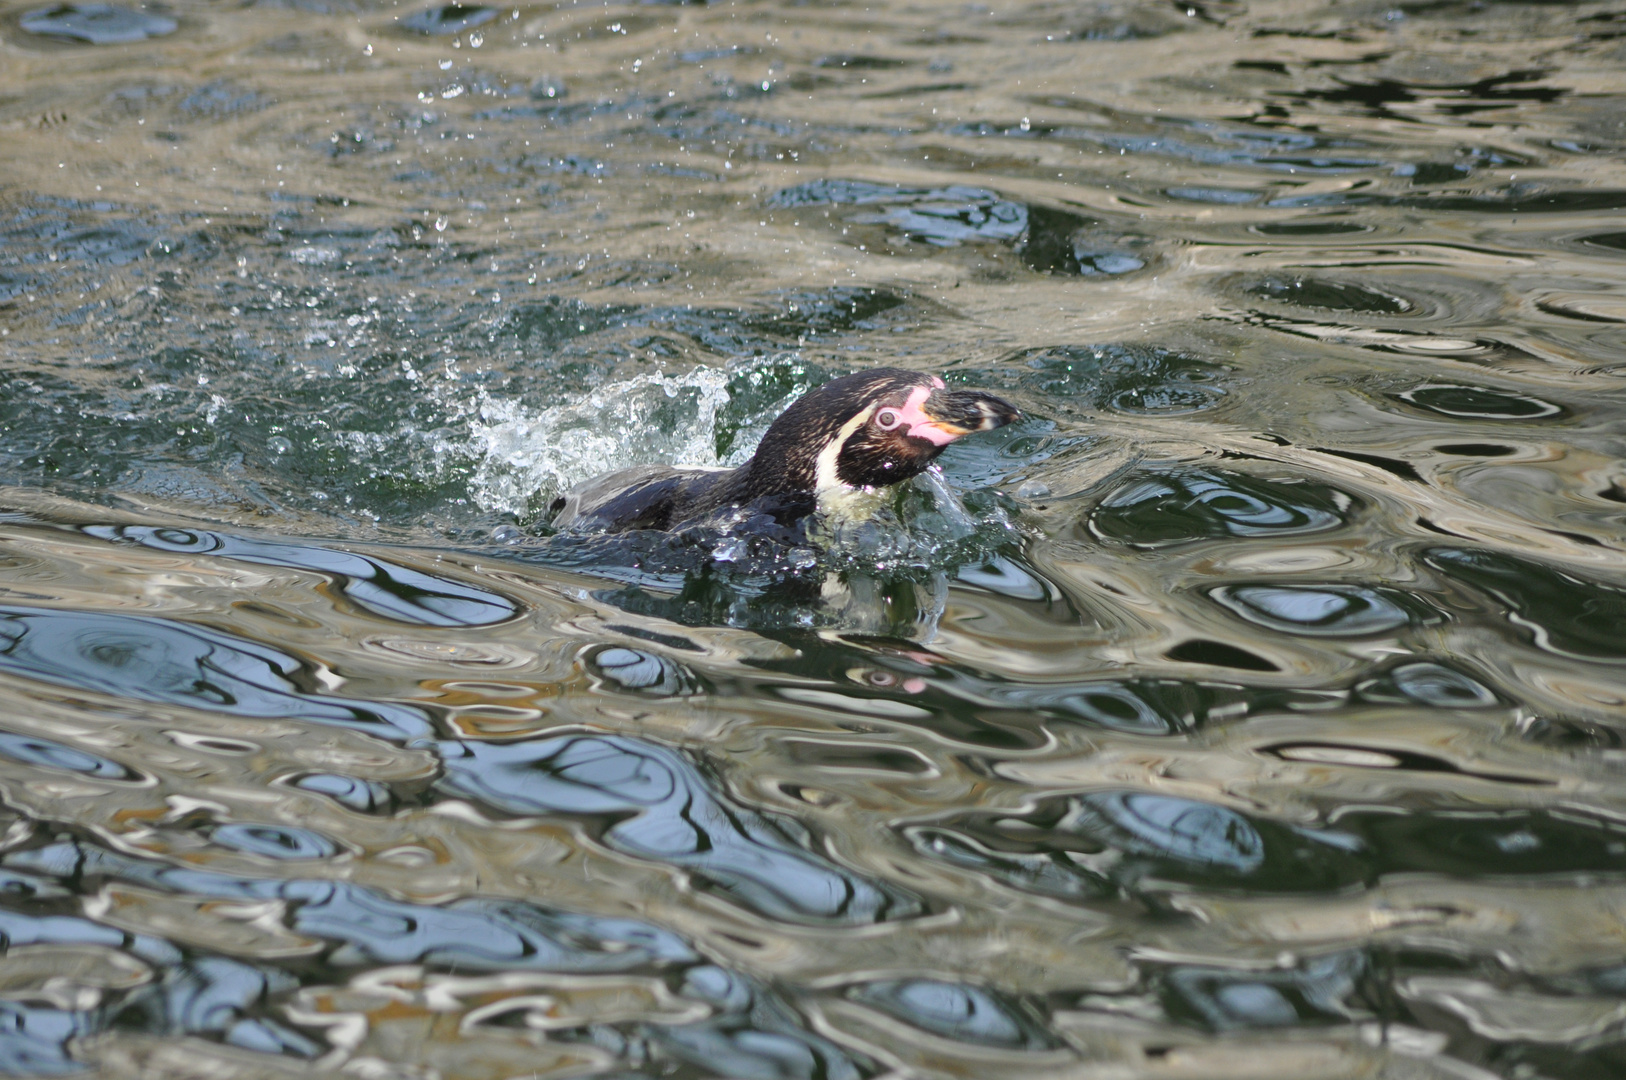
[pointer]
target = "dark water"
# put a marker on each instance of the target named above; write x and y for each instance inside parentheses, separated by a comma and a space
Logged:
(1255, 708)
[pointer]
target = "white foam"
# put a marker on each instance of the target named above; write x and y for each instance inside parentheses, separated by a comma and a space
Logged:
(526, 457)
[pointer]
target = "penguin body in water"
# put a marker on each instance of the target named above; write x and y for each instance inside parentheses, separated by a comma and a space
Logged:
(832, 448)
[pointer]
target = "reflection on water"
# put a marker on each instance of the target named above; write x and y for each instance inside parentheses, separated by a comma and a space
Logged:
(1140, 843)
(1563, 612)
(1332, 610)
(666, 813)
(1156, 512)
(175, 664)
(99, 24)
(1223, 1000)
(1131, 379)
(395, 592)
(1252, 708)
(963, 1013)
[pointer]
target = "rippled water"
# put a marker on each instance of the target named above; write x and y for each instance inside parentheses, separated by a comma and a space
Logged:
(1254, 708)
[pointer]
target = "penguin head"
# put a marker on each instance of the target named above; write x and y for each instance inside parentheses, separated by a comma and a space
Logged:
(874, 428)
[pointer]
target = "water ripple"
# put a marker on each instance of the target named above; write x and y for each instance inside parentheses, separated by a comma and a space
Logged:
(656, 805)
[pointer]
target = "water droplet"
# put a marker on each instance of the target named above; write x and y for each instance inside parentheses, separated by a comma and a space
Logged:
(440, 224)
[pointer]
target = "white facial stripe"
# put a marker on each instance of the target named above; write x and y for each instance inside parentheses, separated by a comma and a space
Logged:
(824, 475)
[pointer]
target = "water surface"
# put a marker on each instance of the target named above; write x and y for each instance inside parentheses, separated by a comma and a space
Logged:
(1254, 708)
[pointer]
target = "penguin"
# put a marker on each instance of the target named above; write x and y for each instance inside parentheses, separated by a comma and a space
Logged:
(829, 452)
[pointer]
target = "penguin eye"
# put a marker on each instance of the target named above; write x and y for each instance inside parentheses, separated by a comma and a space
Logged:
(887, 419)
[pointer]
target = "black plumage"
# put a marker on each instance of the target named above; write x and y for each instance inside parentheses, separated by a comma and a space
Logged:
(854, 434)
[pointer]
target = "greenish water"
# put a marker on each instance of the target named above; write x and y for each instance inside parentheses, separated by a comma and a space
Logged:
(1253, 708)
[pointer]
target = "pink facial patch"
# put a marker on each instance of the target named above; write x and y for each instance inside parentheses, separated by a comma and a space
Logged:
(922, 426)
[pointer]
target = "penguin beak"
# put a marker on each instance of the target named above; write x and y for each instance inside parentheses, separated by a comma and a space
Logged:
(946, 415)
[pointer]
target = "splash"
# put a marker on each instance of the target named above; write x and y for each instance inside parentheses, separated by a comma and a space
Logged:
(925, 527)
(527, 457)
